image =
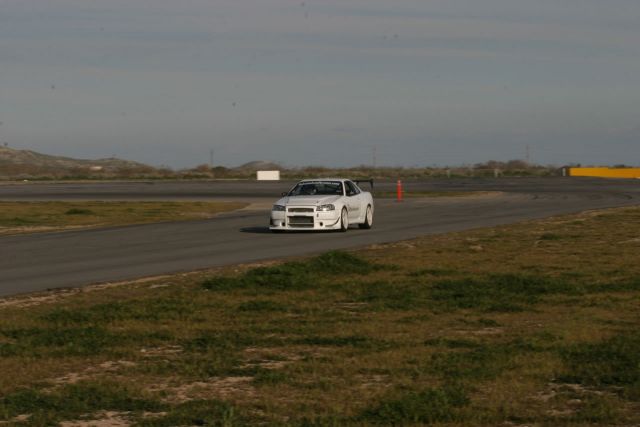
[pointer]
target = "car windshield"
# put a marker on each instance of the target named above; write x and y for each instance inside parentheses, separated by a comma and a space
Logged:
(317, 188)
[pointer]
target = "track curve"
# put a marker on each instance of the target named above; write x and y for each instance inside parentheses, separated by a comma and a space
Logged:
(38, 262)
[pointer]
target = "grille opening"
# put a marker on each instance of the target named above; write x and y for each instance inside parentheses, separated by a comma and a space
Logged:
(301, 210)
(301, 221)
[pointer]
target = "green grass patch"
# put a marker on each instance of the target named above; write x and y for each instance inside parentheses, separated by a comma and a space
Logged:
(270, 377)
(501, 293)
(293, 276)
(550, 236)
(494, 293)
(46, 342)
(152, 309)
(75, 400)
(598, 410)
(18, 222)
(198, 413)
(436, 272)
(435, 405)
(470, 361)
(342, 341)
(220, 341)
(614, 362)
(22, 217)
(473, 363)
(387, 295)
(262, 305)
(58, 342)
(79, 211)
(194, 367)
(94, 330)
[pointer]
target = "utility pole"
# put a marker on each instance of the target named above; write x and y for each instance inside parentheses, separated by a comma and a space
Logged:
(374, 156)
(211, 158)
(528, 155)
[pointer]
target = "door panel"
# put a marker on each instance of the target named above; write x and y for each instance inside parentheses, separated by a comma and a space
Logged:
(354, 202)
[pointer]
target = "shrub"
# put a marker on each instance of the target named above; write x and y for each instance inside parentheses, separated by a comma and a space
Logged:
(78, 211)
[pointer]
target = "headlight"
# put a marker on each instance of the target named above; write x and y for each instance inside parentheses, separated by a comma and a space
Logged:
(325, 208)
(278, 208)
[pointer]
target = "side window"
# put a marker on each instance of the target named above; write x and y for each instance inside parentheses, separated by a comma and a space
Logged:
(352, 190)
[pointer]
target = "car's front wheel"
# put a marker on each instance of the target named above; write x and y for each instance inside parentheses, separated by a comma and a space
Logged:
(344, 220)
(368, 219)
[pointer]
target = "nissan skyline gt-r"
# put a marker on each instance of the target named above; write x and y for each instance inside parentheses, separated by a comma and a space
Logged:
(323, 204)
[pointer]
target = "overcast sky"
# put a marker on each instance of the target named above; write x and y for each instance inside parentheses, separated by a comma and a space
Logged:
(323, 82)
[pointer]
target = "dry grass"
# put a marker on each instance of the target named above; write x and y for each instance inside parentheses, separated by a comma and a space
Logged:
(30, 217)
(529, 324)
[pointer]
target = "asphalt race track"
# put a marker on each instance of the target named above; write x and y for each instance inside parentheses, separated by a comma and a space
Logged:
(38, 262)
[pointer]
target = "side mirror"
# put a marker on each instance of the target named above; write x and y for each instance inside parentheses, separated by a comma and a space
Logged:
(284, 194)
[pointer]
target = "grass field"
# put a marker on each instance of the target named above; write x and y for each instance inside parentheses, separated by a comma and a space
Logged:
(29, 217)
(528, 324)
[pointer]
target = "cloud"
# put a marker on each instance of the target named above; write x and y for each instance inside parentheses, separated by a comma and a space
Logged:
(455, 79)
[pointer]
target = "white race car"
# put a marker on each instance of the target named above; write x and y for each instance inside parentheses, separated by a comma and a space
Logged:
(323, 204)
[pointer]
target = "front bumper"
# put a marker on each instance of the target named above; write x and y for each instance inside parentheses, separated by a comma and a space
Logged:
(296, 219)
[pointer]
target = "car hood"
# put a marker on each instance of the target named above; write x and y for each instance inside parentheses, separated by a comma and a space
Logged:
(307, 200)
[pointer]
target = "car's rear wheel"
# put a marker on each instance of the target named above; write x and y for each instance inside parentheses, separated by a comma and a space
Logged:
(368, 219)
(344, 220)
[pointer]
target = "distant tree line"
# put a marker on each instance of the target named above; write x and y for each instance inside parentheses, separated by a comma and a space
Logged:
(491, 168)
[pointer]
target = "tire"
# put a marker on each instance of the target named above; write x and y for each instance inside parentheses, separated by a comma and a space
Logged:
(344, 220)
(368, 219)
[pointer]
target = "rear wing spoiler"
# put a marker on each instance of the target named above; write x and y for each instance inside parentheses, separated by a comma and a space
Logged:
(358, 181)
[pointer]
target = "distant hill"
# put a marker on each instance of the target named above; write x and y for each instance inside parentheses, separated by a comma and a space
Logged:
(27, 163)
(259, 165)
